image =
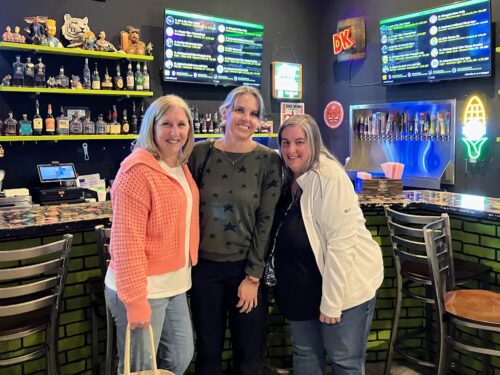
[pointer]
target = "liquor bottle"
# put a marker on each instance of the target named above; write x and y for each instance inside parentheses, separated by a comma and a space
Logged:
(75, 125)
(29, 73)
(62, 80)
(118, 79)
(210, 124)
(25, 126)
(96, 80)
(1, 131)
(145, 78)
(115, 125)
(215, 122)
(10, 125)
(40, 74)
(411, 125)
(100, 125)
(138, 78)
(37, 120)
(107, 83)
(17, 72)
(196, 121)
(134, 128)
(50, 123)
(88, 125)
(87, 81)
(141, 116)
(109, 123)
(125, 125)
(130, 77)
(62, 123)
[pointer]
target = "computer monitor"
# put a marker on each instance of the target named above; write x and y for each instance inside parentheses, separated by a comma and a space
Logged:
(56, 172)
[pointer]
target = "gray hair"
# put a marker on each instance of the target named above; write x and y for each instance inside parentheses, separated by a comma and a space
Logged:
(313, 138)
(235, 93)
(156, 110)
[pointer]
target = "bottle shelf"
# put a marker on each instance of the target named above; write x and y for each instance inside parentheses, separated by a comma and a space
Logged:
(73, 52)
(219, 135)
(47, 90)
(74, 137)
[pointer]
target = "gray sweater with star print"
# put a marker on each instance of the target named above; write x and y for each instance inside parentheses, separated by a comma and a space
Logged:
(237, 203)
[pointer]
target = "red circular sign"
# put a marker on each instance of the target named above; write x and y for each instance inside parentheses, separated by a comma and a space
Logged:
(334, 114)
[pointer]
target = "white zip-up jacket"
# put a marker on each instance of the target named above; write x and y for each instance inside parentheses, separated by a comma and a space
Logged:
(349, 260)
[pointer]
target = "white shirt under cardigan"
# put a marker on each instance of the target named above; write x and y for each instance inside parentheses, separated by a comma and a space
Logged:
(171, 283)
(349, 260)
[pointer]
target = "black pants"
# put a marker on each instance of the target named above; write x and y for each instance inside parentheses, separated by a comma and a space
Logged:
(214, 296)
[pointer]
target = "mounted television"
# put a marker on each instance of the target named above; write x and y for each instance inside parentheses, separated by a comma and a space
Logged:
(211, 50)
(447, 42)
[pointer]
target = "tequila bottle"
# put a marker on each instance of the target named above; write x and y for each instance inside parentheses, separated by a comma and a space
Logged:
(40, 74)
(87, 81)
(138, 78)
(96, 80)
(125, 125)
(134, 128)
(118, 79)
(62, 124)
(10, 125)
(25, 126)
(88, 125)
(62, 80)
(75, 125)
(29, 73)
(130, 77)
(100, 125)
(50, 123)
(37, 120)
(145, 78)
(107, 83)
(17, 72)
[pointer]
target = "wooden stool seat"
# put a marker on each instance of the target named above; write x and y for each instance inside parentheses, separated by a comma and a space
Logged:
(464, 271)
(474, 305)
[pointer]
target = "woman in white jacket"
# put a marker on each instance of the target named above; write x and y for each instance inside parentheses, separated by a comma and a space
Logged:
(327, 266)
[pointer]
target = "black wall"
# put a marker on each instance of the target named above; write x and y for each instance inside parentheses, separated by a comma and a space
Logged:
(334, 83)
(288, 23)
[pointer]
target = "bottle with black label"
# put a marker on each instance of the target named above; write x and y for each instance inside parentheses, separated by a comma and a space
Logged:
(134, 127)
(37, 120)
(40, 74)
(75, 125)
(88, 125)
(17, 72)
(125, 125)
(196, 121)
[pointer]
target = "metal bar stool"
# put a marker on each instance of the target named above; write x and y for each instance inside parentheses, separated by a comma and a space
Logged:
(32, 282)
(478, 309)
(97, 302)
(410, 261)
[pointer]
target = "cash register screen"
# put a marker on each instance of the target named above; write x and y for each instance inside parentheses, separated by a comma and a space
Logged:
(55, 173)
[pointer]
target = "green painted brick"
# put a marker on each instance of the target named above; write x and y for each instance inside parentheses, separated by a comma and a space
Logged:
(480, 228)
(74, 290)
(33, 340)
(83, 250)
(89, 237)
(375, 220)
(457, 245)
(75, 264)
(72, 342)
(92, 262)
(490, 242)
(34, 366)
(74, 367)
(77, 238)
(77, 303)
(80, 353)
(465, 237)
(481, 252)
(78, 328)
(387, 293)
(455, 223)
(385, 314)
(14, 245)
(495, 265)
(13, 370)
(81, 276)
(72, 316)
(9, 346)
(384, 334)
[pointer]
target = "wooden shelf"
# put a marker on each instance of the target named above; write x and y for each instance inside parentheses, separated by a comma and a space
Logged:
(218, 135)
(83, 137)
(73, 52)
(47, 90)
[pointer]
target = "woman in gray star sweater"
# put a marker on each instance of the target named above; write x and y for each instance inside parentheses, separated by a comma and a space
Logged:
(239, 181)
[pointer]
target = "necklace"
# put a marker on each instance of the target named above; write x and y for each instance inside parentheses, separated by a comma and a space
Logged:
(234, 161)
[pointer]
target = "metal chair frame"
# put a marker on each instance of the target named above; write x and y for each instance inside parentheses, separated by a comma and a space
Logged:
(28, 290)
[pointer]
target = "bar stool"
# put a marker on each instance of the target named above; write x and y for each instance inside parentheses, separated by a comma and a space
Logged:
(98, 302)
(410, 260)
(32, 282)
(478, 309)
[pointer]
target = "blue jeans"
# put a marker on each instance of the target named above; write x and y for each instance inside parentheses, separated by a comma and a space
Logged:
(344, 343)
(172, 331)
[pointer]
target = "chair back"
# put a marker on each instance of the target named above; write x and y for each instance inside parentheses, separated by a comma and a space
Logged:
(103, 236)
(34, 278)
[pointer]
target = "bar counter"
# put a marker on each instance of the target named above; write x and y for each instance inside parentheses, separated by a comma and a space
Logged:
(475, 222)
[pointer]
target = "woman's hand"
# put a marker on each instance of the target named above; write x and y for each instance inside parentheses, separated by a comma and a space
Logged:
(328, 319)
(247, 294)
(143, 324)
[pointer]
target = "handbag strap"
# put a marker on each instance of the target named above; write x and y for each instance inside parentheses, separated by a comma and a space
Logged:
(126, 360)
(199, 175)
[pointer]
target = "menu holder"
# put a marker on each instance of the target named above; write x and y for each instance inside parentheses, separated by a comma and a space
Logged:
(379, 187)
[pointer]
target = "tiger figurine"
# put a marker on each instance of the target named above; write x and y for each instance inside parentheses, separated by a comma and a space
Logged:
(74, 30)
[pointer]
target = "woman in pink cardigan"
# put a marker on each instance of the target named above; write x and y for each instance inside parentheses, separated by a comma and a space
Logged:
(154, 239)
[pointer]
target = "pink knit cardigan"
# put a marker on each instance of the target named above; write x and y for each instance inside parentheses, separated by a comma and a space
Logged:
(148, 230)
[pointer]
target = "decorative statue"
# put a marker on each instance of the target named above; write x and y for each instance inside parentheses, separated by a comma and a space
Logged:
(51, 82)
(36, 29)
(7, 35)
(103, 44)
(131, 41)
(74, 30)
(89, 41)
(17, 37)
(51, 39)
(75, 82)
(149, 49)
(6, 80)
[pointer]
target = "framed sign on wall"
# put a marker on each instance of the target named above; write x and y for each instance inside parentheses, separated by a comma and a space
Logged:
(287, 80)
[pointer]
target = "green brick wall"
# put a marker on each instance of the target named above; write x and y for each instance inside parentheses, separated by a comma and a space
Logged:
(473, 240)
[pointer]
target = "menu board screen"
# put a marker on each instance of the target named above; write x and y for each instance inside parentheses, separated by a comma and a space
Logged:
(204, 49)
(449, 42)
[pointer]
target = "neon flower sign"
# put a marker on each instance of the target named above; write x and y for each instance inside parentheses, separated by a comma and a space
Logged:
(474, 128)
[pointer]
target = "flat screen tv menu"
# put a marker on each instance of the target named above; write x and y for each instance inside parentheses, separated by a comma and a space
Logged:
(212, 50)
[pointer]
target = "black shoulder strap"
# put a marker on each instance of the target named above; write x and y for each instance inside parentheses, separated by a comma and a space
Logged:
(199, 175)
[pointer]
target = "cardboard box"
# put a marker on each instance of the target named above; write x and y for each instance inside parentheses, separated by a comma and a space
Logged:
(379, 186)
